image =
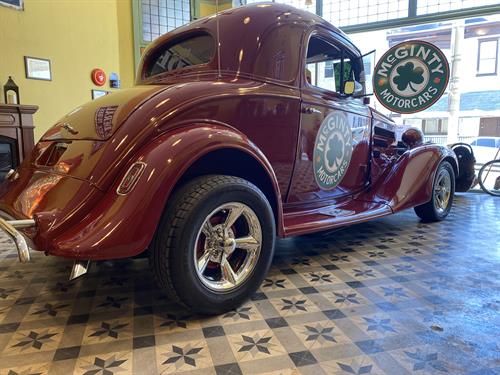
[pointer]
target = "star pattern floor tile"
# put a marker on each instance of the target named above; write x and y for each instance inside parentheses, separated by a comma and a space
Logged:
(392, 296)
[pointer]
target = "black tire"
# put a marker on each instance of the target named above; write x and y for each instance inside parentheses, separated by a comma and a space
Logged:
(430, 211)
(172, 258)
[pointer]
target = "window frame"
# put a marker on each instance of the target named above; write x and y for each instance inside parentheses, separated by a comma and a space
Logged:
(483, 40)
(140, 44)
(334, 40)
(440, 126)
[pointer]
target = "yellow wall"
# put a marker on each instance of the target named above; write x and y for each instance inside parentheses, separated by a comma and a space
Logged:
(76, 36)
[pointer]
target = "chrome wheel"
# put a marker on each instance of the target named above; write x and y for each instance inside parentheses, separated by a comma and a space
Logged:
(227, 247)
(442, 191)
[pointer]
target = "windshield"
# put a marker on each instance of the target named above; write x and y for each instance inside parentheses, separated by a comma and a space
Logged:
(190, 51)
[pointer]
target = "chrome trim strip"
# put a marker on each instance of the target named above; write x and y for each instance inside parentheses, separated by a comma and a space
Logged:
(9, 227)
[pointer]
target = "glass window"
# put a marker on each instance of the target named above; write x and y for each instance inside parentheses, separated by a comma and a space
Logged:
(435, 6)
(444, 126)
(345, 13)
(487, 56)
(194, 50)
(161, 16)
(356, 13)
(328, 66)
(486, 142)
(413, 122)
(329, 69)
(431, 126)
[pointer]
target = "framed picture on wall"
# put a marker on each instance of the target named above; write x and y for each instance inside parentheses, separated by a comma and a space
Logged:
(16, 4)
(37, 68)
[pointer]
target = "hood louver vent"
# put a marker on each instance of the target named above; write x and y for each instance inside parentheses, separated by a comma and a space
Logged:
(52, 154)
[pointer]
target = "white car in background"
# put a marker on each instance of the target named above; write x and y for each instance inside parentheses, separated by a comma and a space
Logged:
(486, 149)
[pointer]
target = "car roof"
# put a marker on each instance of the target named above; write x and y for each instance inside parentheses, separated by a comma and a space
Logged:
(261, 39)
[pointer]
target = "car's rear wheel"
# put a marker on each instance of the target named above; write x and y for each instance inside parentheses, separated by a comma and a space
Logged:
(214, 244)
(443, 190)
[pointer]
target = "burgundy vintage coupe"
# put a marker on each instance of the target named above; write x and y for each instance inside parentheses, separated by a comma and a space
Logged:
(242, 127)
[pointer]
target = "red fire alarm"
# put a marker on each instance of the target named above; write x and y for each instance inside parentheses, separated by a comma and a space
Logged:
(98, 77)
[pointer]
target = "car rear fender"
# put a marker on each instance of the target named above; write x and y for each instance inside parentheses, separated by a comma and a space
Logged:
(408, 183)
(123, 225)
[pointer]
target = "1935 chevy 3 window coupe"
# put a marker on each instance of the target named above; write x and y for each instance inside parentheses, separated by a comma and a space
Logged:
(242, 127)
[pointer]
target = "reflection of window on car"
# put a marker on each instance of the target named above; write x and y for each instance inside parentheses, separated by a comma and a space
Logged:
(193, 50)
(329, 69)
(325, 62)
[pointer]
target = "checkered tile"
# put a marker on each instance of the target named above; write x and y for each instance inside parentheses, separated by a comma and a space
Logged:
(392, 296)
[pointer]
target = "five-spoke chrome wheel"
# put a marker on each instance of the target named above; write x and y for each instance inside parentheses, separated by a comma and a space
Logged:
(227, 247)
(442, 190)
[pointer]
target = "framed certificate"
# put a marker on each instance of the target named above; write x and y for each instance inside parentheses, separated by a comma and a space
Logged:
(37, 68)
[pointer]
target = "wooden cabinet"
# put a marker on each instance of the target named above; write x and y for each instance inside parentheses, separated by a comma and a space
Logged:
(16, 134)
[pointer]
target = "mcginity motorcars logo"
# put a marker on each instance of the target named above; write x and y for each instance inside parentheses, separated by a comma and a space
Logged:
(332, 150)
(411, 76)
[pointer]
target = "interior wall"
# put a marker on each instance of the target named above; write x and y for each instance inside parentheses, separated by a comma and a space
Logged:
(76, 36)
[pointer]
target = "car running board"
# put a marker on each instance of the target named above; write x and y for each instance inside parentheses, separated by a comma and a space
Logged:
(330, 217)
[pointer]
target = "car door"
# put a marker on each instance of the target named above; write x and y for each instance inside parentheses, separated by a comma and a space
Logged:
(333, 145)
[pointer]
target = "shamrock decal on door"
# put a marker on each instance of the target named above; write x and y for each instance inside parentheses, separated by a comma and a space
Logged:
(335, 152)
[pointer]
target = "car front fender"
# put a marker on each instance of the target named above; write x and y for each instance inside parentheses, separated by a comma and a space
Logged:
(408, 182)
(123, 225)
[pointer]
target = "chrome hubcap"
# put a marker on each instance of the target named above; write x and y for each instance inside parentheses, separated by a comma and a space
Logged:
(227, 247)
(442, 191)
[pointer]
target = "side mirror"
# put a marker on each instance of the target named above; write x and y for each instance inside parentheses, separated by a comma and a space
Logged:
(349, 87)
(353, 88)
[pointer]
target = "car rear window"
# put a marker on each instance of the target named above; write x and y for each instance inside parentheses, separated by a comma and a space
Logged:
(194, 50)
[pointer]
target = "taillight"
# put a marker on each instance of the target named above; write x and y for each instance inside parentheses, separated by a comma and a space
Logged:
(131, 177)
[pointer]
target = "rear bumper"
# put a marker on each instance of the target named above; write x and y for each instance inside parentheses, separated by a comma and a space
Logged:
(70, 218)
(21, 242)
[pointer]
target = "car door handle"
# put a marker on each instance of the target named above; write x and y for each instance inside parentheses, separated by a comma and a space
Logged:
(309, 110)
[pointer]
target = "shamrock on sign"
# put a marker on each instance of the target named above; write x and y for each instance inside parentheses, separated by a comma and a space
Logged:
(335, 151)
(408, 75)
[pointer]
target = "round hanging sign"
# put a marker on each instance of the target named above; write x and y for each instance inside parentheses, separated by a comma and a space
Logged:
(411, 76)
(98, 77)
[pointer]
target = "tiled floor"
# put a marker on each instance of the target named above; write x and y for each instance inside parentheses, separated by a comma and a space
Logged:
(393, 296)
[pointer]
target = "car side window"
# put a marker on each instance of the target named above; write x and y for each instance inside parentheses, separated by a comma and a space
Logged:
(328, 66)
(474, 143)
(485, 142)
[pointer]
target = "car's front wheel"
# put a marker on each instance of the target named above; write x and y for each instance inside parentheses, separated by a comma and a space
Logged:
(214, 244)
(443, 190)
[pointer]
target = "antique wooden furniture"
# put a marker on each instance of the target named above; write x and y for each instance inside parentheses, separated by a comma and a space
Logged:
(16, 135)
